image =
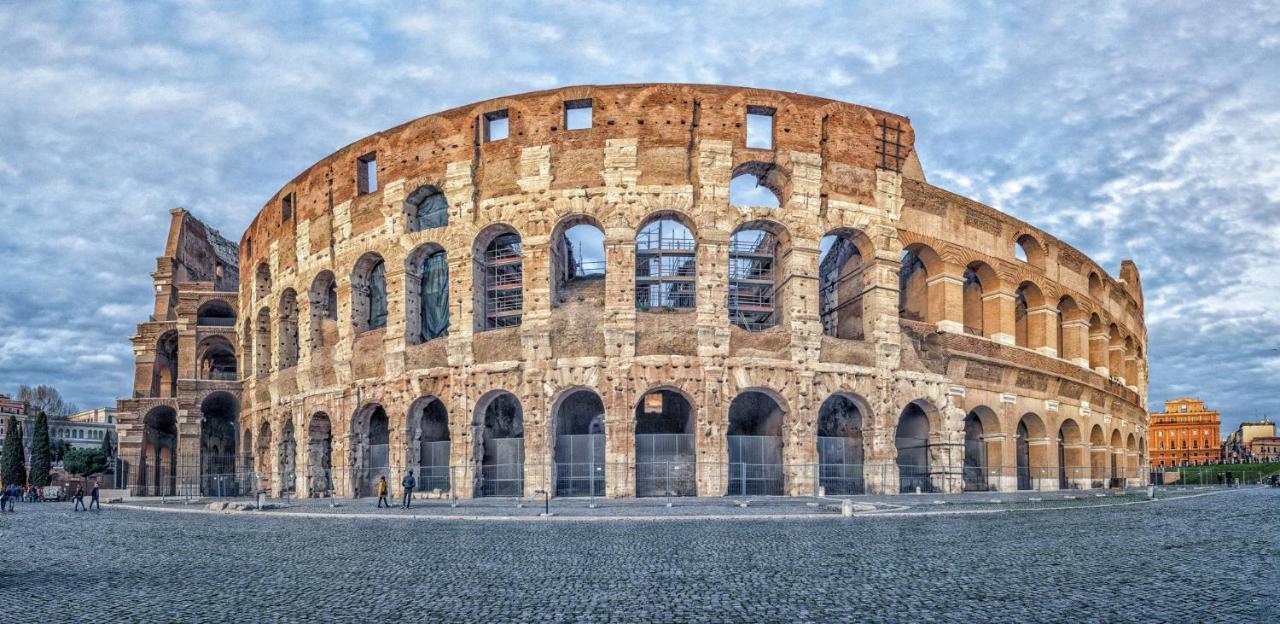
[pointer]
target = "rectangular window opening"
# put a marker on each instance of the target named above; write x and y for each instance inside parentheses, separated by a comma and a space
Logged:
(286, 208)
(760, 127)
(367, 173)
(577, 114)
(496, 125)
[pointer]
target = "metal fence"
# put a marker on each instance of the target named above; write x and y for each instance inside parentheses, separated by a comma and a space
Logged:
(665, 465)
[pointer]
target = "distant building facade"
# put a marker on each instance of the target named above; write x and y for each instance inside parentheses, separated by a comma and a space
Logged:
(1238, 447)
(1185, 433)
(1265, 449)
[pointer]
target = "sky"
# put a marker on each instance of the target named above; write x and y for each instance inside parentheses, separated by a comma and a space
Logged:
(1136, 130)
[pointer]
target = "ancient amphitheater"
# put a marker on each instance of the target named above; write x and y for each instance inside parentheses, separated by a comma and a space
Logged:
(633, 291)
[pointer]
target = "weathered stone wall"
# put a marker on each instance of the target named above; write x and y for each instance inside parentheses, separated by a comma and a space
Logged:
(674, 148)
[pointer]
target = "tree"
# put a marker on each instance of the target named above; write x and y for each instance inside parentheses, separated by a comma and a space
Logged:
(45, 399)
(41, 454)
(58, 449)
(84, 461)
(13, 469)
(106, 449)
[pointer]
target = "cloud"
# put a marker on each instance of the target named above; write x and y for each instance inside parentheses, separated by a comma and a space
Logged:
(1146, 130)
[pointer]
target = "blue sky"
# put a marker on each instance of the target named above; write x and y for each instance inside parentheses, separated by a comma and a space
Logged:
(1132, 130)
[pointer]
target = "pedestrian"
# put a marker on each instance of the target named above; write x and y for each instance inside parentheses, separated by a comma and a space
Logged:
(79, 497)
(4, 497)
(382, 492)
(407, 483)
(93, 497)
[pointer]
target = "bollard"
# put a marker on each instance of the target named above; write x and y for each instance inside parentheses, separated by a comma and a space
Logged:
(262, 498)
(1151, 492)
(846, 508)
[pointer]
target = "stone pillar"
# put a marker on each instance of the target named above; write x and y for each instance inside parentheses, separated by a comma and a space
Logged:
(998, 477)
(1077, 469)
(1043, 463)
(1042, 330)
(998, 316)
(1075, 342)
(1116, 360)
(946, 302)
(1098, 352)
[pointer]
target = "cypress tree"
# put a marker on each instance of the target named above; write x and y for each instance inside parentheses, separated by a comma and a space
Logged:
(106, 449)
(41, 454)
(13, 469)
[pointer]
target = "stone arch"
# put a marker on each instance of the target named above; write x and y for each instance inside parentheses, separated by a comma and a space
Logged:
(1028, 249)
(1032, 451)
(370, 448)
(429, 443)
(978, 296)
(499, 422)
(842, 279)
(215, 313)
(1115, 351)
(319, 455)
(578, 421)
(262, 343)
(369, 293)
(164, 369)
(920, 264)
(666, 262)
(1071, 459)
(262, 282)
(219, 424)
(1096, 291)
(322, 310)
(1030, 317)
(426, 303)
(425, 208)
(912, 442)
(758, 278)
(1073, 331)
(982, 441)
(841, 448)
(666, 463)
(287, 328)
(1117, 457)
(497, 278)
(1132, 469)
(216, 359)
(1097, 457)
(757, 184)
(577, 271)
(754, 437)
(157, 463)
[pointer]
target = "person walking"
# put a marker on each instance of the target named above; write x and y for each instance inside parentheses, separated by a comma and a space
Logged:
(382, 492)
(4, 497)
(79, 496)
(93, 497)
(407, 484)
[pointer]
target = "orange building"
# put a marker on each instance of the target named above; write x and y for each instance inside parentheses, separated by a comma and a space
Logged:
(1185, 433)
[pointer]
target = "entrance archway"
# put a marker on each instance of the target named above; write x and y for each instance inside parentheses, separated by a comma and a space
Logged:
(666, 463)
(369, 449)
(579, 422)
(840, 450)
(219, 415)
(158, 472)
(319, 456)
(754, 437)
(1031, 452)
(979, 424)
(429, 443)
(288, 458)
(500, 420)
(1070, 455)
(911, 440)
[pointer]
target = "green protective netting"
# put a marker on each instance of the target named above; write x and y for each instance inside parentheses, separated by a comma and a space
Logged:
(435, 296)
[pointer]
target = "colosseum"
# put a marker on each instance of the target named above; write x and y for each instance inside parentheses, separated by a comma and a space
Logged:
(638, 290)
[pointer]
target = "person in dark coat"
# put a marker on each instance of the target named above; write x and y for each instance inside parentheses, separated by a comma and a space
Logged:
(79, 497)
(93, 497)
(407, 484)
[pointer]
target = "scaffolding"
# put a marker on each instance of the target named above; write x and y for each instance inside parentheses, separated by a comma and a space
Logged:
(752, 256)
(665, 266)
(503, 282)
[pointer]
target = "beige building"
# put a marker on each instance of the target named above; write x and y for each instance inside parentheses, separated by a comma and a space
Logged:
(642, 289)
(1238, 447)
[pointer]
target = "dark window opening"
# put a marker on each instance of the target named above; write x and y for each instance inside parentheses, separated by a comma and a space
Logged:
(577, 114)
(760, 127)
(496, 125)
(367, 173)
(286, 208)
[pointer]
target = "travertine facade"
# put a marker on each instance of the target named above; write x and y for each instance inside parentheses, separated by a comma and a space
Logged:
(962, 365)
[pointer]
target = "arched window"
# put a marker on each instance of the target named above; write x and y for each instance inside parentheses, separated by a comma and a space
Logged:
(427, 296)
(217, 359)
(215, 313)
(980, 280)
(164, 369)
(262, 343)
(840, 286)
(577, 261)
(753, 259)
(913, 284)
(288, 328)
(499, 273)
(1027, 249)
(666, 261)
(323, 310)
(369, 293)
(755, 184)
(426, 208)
(262, 282)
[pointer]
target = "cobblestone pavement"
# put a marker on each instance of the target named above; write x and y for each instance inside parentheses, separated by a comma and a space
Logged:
(1198, 559)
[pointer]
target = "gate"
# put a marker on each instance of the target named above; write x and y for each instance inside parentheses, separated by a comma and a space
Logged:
(433, 467)
(504, 475)
(580, 465)
(666, 465)
(755, 465)
(839, 471)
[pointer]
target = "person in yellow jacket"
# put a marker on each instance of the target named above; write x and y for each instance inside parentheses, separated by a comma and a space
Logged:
(382, 492)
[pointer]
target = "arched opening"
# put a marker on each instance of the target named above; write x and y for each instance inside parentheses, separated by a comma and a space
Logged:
(262, 343)
(841, 285)
(369, 293)
(1072, 330)
(665, 448)
(323, 310)
(1029, 317)
(753, 262)
(427, 294)
(1029, 250)
(754, 437)
(501, 422)
(979, 424)
(1097, 457)
(666, 264)
(577, 261)
(1097, 343)
(1115, 352)
(840, 450)
(913, 283)
(216, 360)
(219, 416)
(1070, 456)
(216, 313)
(1131, 475)
(157, 467)
(1095, 287)
(164, 371)
(246, 463)
(287, 328)
(1117, 458)
(980, 281)
(370, 450)
(1032, 443)
(319, 455)
(263, 456)
(755, 185)
(1130, 371)
(499, 277)
(579, 455)
(426, 208)
(287, 462)
(911, 440)
(262, 282)
(429, 443)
